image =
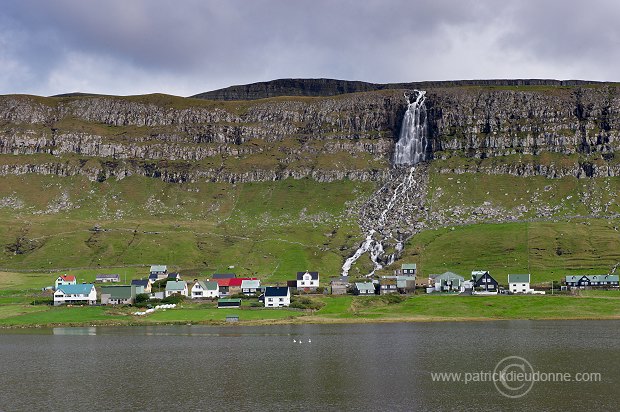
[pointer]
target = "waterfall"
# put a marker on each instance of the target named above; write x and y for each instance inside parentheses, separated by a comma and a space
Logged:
(397, 195)
(411, 146)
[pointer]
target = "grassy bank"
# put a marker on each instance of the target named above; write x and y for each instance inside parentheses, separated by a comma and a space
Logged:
(336, 309)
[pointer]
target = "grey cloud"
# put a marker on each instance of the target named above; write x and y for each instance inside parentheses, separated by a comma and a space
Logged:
(186, 47)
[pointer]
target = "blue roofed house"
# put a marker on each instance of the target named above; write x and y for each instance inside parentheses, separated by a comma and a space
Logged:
(84, 293)
(142, 285)
(307, 281)
(277, 296)
(484, 282)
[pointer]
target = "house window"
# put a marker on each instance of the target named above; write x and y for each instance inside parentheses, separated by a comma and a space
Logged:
(281, 299)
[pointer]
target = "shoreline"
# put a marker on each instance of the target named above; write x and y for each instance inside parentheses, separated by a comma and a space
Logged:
(301, 320)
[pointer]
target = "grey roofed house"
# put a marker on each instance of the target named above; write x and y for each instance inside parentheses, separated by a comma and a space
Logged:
(104, 278)
(224, 275)
(159, 269)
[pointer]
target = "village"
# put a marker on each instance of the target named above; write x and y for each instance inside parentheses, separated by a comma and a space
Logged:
(230, 291)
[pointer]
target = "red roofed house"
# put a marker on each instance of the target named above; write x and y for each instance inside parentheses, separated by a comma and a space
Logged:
(64, 280)
(234, 287)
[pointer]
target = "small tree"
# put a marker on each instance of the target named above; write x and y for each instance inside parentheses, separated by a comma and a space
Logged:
(142, 297)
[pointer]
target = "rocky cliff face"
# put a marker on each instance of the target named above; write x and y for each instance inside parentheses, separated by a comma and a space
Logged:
(348, 136)
(181, 139)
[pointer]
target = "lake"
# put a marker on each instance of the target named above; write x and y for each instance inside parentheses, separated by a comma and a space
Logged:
(374, 367)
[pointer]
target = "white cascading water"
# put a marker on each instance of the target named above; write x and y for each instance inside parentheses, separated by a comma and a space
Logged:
(410, 150)
(411, 146)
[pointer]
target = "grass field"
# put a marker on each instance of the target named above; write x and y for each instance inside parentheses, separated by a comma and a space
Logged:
(271, 230)
(336, 309)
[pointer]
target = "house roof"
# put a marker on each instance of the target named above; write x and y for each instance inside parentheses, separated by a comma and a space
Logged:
(67, 278)
(159, 268)
(401, 281)
(594, 278)
(173, 275)
(140, 282)
(313, 275)
(230, 300)
(119, 292)
(519, 278)
(250, 284)
(103, 276)
(211, 285)
(175, 285)
(364, 286)
(276, 291)
(200, 283)
(224, 275)
(81, 289)
(449, 276)
(237, 281)
(409, 266)
(479, 274)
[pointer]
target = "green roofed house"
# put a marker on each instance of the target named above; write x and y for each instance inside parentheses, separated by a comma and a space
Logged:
(118, 295)
(229, 303)
(448, 282)
(208, 289)
(364, 288)
(176, 287)
(407, 269)
(519, 284)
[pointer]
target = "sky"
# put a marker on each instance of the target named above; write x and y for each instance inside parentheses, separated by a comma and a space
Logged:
(185, 47)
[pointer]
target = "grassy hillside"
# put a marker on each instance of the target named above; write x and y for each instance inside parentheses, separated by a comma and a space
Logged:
(555, 227)
(270, 230)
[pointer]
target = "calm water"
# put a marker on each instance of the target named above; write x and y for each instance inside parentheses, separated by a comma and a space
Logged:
(346, 367)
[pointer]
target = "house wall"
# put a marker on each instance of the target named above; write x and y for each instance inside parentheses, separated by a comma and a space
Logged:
(519, 287)
(277, 301)
(63, 299)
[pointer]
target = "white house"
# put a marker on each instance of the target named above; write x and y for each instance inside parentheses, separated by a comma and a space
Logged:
(307, 280)
(64, 280)
(208, 289)
(250, 286)
(277, 296)
(176, 286)
(519, 284)
(75, 294)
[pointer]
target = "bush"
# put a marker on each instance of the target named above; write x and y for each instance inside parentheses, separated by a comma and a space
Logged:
(160, 284)
(305, 302)
(256, 305)
(176, 298)
(142, 297)
(42, 301)
(320, 289)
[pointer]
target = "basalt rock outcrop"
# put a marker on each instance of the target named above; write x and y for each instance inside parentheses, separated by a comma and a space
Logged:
(343, 136)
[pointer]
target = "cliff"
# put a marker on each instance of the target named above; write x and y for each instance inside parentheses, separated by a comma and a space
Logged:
(345, 136)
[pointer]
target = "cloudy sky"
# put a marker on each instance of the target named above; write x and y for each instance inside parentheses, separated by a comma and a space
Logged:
(184, 47)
